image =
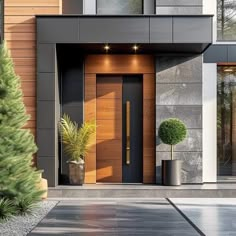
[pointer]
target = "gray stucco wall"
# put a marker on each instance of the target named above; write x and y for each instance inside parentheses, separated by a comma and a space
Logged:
(179, 95)
(178, 7)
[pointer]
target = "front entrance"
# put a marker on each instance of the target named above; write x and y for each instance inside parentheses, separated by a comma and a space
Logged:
(119, 137)
(119, 93)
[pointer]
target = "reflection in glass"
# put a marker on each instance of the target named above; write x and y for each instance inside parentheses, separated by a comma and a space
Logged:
(226, 19)
(119, 7)
(226, 121)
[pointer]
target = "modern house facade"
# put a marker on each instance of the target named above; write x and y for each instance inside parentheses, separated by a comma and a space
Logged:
(128, 65)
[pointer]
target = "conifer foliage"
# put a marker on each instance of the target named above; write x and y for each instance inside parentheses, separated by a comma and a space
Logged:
(18, 179)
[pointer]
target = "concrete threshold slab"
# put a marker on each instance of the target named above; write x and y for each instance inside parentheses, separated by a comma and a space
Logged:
(103, 191)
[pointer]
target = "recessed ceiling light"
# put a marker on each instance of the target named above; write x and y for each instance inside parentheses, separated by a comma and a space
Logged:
(135, 47)
(106, 47)
(228, 70)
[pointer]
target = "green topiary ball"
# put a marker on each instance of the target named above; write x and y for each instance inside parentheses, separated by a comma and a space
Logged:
(172, 131)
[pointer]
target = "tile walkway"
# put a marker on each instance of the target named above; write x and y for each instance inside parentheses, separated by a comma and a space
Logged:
(177, 217)
(214, 217)
(114, 217)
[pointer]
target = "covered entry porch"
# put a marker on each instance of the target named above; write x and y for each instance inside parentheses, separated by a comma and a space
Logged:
(174, 41)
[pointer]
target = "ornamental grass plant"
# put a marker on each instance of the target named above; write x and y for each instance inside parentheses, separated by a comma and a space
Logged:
(77, 141)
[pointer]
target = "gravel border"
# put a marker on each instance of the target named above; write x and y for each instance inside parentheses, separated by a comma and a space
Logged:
(22, 225)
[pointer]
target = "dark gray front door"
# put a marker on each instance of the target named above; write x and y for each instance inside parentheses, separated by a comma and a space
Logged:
(132, 126)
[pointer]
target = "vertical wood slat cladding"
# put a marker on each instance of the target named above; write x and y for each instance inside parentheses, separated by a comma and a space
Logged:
(109, 129)
(19, 33)
(148, 128)
(122, 64)
(90, 114)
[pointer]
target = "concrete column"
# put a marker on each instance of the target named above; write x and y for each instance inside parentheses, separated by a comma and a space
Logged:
(209, 122)
(89, 7)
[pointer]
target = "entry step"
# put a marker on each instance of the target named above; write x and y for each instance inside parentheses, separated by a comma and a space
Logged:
(143, 191)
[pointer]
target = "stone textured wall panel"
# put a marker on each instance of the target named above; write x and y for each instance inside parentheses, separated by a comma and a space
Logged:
(179, 95)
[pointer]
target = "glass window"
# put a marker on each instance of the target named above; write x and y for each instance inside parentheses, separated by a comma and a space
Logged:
(226, 120)
(119, 7)
(226, 19)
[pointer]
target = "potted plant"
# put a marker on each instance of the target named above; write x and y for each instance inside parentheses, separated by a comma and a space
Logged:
(43, 185)
(172, 131)
(77, 142)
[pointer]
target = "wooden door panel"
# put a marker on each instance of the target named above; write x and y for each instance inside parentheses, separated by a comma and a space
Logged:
(109, 89)
(109, 171)
(109, 149)
(109, 128)
(109, 109)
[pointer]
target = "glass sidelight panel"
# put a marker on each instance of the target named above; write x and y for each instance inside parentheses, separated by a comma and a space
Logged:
(226, 121)
(119, 7)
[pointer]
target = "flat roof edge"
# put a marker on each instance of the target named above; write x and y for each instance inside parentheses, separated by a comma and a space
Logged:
(82, 15)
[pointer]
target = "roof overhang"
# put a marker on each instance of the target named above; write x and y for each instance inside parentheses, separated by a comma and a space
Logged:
(153, 33)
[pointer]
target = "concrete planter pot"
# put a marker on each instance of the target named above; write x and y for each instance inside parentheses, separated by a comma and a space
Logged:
(76, 173)
(171, 172)
(43, 186)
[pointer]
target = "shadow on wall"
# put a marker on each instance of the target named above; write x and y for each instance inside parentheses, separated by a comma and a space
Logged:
(71, 96)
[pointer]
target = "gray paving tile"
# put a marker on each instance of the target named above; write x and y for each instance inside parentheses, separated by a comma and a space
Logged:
(114, 218)
(212, 216)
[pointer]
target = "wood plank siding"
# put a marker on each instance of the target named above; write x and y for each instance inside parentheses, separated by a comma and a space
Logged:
(20, 35)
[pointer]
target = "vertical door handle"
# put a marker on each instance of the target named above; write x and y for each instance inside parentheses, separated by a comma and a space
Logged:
(128, 132)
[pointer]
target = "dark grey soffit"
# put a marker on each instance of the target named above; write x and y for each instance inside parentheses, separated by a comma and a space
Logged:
(220, 53)
(189, 34)
(126, 48)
